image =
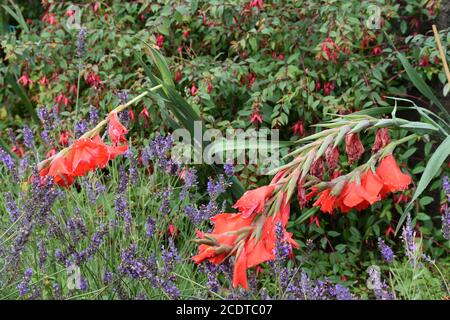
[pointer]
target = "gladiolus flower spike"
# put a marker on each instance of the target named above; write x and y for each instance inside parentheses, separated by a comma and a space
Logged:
(248, 236)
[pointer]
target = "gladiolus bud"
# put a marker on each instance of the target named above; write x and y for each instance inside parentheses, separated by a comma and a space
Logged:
(381, 139)
(332, 157)
(353, 147)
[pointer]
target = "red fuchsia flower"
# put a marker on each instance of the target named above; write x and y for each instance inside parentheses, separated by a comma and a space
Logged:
(389, 231)
(210, 87)
(377, 51)
(318, 86)
(93, 80)
(328, 88)
(62, 99)
(253, 201)
(64, 138)
(256, 118)
(424, 61)
(70, 13)
(72, 88)
(298, 128)
(314, 219)
(131, 115)
(172, 230)
(95, 7)
(332, 158)
(251, 78)
(274, 55)
(281, 57)
(317, 168)
(256, 3)
(25, 80)
(160, 41)
(49, 18)
(180, 50)
(177, 76)
(116, 130)
(194, 90)
(18, 150)
(244, 55)
(186, 34)
(44, 81)
(393, 178)
(331, 49)
(381, 139)
(145, 115)
(353, 147)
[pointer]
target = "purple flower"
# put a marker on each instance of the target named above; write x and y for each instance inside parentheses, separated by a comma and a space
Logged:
(217, 187)
(123, 96)
(408, 237)
(164, 195)
(385, 250)
(212, 273)
(43, 254)
(24, 165)
(107, 277)
(84, 284)
(81, 43)
(446, 223)
(379, 288)
(446, 187)
(12, 136)
(93, 116)
(341, 293)
(228, 168)
(158, 150)
(80, 128)
(24, 286)
(150, 227)
(28, 137)
(132, 171)
(7, 160)
(11, 206)
(190, 181)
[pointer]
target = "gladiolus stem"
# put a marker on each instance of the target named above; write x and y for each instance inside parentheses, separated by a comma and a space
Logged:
(92, 133)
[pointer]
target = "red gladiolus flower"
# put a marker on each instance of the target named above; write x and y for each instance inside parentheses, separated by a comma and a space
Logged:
(393, 178)
(253, 201)
(301, 194)
(314, 219)
(232, 235)
(353, 147)
(318, 168)
(326, 201)
(381, 139)
(116, 130)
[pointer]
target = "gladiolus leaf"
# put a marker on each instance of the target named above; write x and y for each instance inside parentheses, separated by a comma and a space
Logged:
(432, 168)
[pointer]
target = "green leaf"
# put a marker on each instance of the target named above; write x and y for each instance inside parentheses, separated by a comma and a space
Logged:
(433, 166)
(420, 84)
